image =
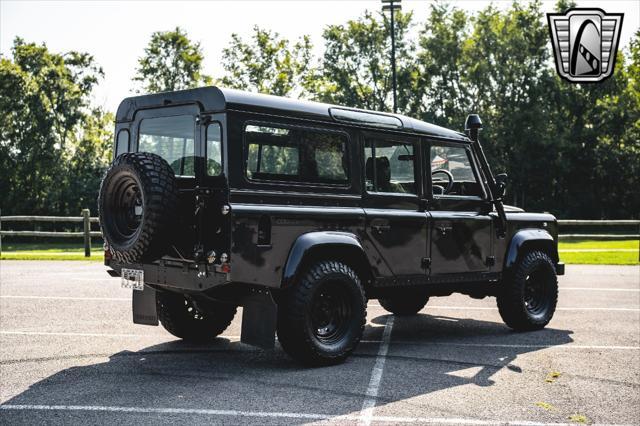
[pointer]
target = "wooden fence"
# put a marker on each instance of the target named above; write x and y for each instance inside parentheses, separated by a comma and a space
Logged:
(87, 233)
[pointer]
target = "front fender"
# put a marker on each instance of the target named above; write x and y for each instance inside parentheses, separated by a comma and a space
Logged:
(528, 239)
(329, 242)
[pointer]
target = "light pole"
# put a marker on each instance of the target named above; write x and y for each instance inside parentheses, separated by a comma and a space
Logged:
(392, 6)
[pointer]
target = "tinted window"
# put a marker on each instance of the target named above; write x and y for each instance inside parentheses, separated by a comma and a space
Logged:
(214, 150)
(172, 138)
(453, 162)
(454, 159)
(293, 154)
(392, 170)
(122, 144)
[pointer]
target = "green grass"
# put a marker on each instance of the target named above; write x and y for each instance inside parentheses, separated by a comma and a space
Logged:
(49, 251)
(606, 254)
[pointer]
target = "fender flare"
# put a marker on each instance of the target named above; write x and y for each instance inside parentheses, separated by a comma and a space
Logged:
(526, 238)
(312, 242)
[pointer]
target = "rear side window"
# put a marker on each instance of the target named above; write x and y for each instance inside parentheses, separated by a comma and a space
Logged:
(122, 144)
(172, 138)
(296, 155)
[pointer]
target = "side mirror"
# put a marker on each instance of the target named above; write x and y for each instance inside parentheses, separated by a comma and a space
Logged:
(501, 185)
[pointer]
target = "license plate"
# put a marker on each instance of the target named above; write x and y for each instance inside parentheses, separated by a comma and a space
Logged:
(132, 278)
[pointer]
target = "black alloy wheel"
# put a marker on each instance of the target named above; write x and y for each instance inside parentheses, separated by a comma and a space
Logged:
(529, 293)
(331, 311)
(321, 317)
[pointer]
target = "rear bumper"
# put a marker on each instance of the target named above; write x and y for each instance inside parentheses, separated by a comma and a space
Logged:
(560, 268)
(178, 278)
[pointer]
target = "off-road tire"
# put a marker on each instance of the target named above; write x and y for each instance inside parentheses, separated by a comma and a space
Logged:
(297, 320)
(202, 323)
(515, 309)
(143, 179)
(406, 303)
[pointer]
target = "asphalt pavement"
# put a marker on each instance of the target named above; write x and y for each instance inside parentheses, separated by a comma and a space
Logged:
(70, 354)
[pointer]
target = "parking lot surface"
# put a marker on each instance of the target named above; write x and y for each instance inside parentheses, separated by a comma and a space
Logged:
(69, 353)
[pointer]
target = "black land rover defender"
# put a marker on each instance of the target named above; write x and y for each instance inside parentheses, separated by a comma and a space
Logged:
(300, 212)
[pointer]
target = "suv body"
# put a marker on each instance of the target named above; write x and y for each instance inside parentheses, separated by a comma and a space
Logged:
(270, 186)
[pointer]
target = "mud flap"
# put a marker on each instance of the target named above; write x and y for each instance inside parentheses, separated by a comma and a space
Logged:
(144, 306)
(259, 317)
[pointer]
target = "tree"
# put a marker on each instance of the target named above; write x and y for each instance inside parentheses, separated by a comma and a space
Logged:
(509, 83)
(44, 102)
(267, 63)
(441, 95)
(171, 62)
(356, 66)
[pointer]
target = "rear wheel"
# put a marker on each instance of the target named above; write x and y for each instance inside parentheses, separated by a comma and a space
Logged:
(405, 303)
(193, 321)
(529, 295)
(322, 317)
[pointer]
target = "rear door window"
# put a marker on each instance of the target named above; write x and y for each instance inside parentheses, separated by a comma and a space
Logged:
(172, 138)
(389, 166)
(214, 149)
(294, 154)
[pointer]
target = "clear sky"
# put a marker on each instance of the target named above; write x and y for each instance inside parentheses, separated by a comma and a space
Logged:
(116, 32)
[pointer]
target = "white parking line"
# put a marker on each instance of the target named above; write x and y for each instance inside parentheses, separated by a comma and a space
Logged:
(278, 415)
(114, 299)
(637, 290)
(525, 346)
(54, 333)
(491, 308)
(366, 412)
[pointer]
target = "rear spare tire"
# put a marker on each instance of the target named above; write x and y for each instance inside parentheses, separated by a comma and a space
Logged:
(137, 206)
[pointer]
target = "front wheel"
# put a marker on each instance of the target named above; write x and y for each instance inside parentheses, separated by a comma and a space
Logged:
(193, 321)
(528, 298)
(321, 318)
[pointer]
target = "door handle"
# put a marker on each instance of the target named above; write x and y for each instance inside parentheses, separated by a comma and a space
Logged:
(380, 228)
(444, 229)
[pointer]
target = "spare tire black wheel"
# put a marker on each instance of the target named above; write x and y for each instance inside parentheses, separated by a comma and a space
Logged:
(137, 206)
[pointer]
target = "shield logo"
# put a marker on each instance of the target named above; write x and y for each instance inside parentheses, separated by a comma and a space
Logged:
(585, 43)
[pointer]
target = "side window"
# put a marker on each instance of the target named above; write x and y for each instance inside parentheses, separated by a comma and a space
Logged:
(452, 171)
(389, 167)
(214, 149)
(297, 155)
(122, 143)
(172, 138)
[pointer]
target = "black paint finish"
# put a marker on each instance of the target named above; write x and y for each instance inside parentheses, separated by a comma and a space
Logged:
(273, 231)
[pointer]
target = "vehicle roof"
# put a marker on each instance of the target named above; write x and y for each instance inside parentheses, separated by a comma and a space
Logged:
(212, 99)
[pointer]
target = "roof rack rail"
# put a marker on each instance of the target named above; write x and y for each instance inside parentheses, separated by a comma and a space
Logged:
(367, 118)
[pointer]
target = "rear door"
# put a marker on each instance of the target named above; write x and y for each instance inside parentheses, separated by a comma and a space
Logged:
(396, 223)
(173, 134)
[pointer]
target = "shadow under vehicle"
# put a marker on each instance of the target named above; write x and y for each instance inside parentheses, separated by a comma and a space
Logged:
(300, 212)
(210, 379)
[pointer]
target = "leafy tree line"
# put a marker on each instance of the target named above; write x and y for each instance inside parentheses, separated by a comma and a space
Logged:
(53, 144)
(570, 149)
